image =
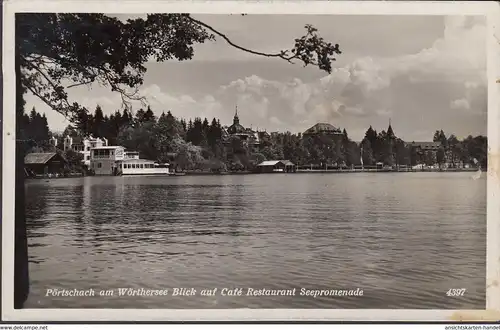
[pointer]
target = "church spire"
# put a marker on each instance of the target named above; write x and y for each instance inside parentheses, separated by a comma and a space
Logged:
(236, 119)
(390, 132)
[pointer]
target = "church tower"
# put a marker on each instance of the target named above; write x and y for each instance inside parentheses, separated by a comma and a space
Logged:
(236, 119)
(390, 132)
(391, 152)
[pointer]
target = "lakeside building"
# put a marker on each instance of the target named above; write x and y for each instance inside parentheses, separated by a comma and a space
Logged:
(53, 141)
(44, 163)
(247, 135)
(326, 129)
(273, 166)
(422, 148)
(323, 128)
(136, 166)
(84, 145)
(131, 155)
(105, 160)
(114, 160)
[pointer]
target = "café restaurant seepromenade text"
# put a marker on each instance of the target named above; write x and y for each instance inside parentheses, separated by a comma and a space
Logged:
(187, 292)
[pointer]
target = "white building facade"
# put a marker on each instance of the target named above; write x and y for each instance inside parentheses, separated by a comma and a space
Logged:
(105, 160)
(84, 145)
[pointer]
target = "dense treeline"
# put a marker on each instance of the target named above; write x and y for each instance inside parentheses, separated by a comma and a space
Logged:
(34, 129)
(385, 147)
(35, 136)
(200, 143)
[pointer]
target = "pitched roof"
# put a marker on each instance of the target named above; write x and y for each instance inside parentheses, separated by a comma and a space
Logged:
(322, 127)
(269, 163)
(287, 162)
(39, 157)
(274, 162)
(425, 144)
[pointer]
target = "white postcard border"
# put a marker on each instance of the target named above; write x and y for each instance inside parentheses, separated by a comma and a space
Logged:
(488, 9)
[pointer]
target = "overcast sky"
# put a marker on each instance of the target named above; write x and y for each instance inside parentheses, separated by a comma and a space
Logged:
(421, 72)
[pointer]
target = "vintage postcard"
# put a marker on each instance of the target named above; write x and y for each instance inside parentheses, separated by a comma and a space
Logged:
(232, 160)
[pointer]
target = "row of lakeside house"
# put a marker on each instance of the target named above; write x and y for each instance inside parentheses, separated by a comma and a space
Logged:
(99, 157)
(102, 159)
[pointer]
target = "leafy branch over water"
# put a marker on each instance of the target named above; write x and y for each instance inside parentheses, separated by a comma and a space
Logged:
(56, 52)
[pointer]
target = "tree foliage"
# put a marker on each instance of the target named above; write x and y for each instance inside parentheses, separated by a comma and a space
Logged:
(55, 52)
(34, 129)
(201, 144)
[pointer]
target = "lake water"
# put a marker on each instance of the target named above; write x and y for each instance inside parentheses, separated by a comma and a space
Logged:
(405, 239)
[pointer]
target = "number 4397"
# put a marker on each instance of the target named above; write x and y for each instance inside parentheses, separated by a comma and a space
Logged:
(455, 292)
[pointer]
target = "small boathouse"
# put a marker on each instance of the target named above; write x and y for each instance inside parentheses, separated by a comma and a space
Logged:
(44, 163)
(276, 166)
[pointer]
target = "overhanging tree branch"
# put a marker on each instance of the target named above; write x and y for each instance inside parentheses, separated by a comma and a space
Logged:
(281, 55)
(310, 49)
(88, 48)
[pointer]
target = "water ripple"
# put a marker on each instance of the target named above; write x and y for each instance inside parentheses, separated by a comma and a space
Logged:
(405, 239)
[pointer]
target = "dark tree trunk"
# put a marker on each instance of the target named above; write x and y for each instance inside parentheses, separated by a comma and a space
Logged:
(21, 274)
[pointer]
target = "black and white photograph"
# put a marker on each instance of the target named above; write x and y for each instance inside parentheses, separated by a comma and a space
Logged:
(249, 160)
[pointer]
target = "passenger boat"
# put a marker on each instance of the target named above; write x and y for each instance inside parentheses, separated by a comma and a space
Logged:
(143, 167)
